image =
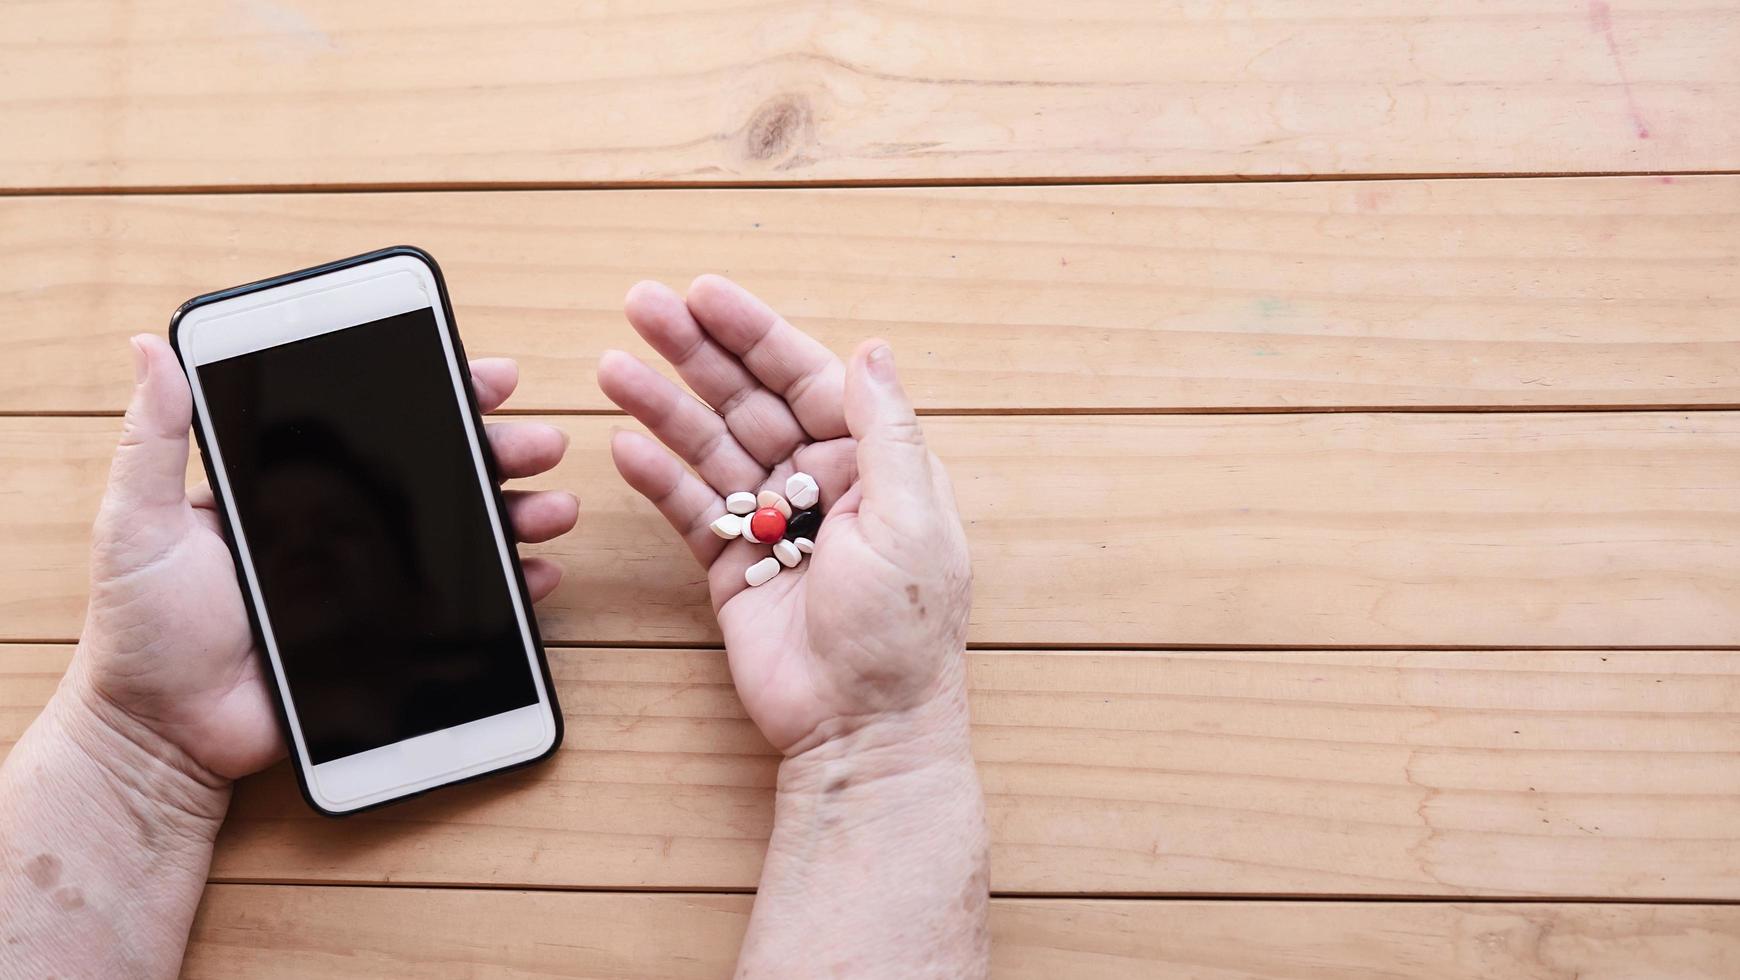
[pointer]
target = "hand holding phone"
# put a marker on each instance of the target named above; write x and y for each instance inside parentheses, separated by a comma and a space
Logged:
(167, 650)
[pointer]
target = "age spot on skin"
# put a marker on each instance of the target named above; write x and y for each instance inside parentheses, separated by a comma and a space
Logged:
(69, 898)
(43, 870)
(974, 895)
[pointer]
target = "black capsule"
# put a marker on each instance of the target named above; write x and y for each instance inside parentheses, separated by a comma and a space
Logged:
(804, 524)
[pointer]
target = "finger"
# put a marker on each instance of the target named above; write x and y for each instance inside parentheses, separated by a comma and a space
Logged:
(204, 505)
(150, 467)
(525, 448)
(833, 464)
(209, 520)
(679, 421)
(761, 420)
(787, 361)
(493, 379)
(687, 503)
(539, 515)
(893, 463)
(542, 577)
(846, 508)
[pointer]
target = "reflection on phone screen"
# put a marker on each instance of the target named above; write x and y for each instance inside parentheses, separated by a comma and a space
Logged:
(359, 499)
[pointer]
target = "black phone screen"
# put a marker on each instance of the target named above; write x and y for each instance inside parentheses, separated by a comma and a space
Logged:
(359, 499)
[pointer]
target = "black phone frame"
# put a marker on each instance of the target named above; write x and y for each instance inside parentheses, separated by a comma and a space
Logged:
(503, 525)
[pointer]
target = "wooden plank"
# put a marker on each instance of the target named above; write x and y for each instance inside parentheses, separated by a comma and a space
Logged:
(1605, 291)
(248, 932)
(1600, 529)
(175, 94)
(1605, 774)
(28, 676)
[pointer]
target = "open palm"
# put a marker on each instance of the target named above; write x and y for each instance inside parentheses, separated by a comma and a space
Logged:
(873, 623)
(166, 639)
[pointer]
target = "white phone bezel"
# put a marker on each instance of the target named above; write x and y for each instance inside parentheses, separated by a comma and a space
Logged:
(336, 300)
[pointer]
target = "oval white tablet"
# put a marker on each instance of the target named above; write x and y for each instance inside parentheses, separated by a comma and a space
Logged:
(762, 571)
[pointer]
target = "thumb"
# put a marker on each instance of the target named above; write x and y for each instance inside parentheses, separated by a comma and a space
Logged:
(893, 462)
(150, 467)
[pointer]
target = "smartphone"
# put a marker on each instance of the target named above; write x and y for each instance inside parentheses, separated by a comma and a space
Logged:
(341, 436)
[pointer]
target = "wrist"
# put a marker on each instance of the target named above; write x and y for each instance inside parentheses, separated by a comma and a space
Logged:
(879, 854)
(913, 721)
(105, 841)
(885, 778)
(933, 735)
(169, 797)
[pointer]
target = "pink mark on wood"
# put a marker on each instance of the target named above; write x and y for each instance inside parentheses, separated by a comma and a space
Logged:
(1601, 22)
(1370, 198)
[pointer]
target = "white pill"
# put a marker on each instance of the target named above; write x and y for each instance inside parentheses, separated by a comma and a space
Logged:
(804, 545)
(748, 531)
(762, 572)
(741, 502)
(728, 526)
(801, 490)
(788, 554)
(771, 498)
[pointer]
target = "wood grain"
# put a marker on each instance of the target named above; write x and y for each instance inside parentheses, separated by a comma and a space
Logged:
(1604, 291)
(1603, 774)
(261, 92)
(248, 932)
(1113, 766)
(29, 675)
(1604, 529)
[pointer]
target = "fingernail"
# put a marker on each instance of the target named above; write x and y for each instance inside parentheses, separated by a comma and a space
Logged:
(881, 363)
(141, 363)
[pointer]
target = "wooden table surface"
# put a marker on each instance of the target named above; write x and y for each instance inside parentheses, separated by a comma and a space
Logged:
(1384, 358)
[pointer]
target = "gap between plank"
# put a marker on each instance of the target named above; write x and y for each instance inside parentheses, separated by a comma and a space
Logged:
(474, 186)
(1228, 897)
(981, 647)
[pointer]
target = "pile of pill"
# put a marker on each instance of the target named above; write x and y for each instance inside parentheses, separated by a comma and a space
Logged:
(788, 522)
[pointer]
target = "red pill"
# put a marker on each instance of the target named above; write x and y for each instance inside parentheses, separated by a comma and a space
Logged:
(767, 524)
